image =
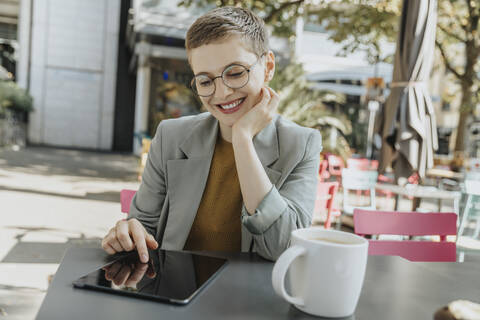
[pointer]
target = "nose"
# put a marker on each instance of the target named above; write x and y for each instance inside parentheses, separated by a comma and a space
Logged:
(221, 90)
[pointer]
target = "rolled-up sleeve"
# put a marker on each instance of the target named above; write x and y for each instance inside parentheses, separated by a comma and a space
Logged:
(288, 208)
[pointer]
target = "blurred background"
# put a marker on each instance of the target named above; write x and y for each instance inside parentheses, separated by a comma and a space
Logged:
(84, 84)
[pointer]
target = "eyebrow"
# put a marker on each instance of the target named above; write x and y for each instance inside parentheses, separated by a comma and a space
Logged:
(242, 63)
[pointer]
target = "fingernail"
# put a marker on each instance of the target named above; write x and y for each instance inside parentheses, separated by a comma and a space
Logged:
(144, 258)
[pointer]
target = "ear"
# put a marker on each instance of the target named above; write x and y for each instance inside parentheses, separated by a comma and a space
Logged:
(269, 66)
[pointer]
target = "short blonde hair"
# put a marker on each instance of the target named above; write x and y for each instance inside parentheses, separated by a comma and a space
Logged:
(221, 23)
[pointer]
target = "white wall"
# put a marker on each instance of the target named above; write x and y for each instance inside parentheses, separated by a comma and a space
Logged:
(73, 72)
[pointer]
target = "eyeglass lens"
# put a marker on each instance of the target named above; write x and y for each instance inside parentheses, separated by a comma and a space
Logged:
(234, 76)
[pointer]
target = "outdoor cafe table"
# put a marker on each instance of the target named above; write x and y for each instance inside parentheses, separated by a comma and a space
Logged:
(394, 288)
(422, 192)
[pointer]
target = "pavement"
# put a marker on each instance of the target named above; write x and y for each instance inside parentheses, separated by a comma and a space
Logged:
(52, 199)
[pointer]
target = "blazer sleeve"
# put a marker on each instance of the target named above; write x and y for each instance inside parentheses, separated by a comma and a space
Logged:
(147, 203)
(288, 208)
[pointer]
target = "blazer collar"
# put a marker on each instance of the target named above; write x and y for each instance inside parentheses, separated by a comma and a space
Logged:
(201, 140)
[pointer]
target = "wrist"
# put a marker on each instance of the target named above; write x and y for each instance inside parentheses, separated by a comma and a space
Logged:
(240, 135)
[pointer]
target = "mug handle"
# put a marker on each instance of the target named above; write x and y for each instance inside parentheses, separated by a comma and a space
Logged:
(280, 270)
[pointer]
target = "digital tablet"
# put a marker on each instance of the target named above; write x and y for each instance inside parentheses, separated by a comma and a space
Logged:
(169, 276)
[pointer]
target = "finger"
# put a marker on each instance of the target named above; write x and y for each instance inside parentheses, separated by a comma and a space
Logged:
(105, 244)
(123, 236)
(275, 99)
(139, 235)
(112, 271)
(116, 245)
(151, 270)
(108, 248)
(136, 275)
(151, 242)
(122, 275)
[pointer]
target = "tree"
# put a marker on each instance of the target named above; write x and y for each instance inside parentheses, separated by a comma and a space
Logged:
(364, 24)
(361, 23)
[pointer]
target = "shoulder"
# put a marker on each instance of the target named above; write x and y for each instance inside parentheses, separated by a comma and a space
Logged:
(292, 136)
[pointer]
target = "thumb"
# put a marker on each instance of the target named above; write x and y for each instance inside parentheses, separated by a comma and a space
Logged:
(151, 242)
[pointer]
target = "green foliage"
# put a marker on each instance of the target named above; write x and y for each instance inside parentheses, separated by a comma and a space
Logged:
(306, 107)
(14, 98)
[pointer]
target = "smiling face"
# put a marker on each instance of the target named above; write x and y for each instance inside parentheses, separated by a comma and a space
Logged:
(228, 105)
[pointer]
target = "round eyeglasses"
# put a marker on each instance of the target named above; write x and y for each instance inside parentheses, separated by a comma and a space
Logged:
(235, 76)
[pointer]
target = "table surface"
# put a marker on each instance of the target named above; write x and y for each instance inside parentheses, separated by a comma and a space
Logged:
(445, 173)
(394, 288)
(419, 191)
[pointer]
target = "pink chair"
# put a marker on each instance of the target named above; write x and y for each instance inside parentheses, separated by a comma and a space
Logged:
(368, 222)
(323, 174)
(324, 201)
(126, 197)
(335, 166)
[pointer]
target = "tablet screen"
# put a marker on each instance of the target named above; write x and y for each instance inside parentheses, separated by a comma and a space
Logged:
(169, 276)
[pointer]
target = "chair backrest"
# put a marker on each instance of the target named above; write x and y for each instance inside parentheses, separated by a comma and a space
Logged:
(322, 170)
(325, 196)
(126, 197)
(369, 222)
(362, 164)
(472, 187)
(353, 179)
(474, 164)
(335, 165)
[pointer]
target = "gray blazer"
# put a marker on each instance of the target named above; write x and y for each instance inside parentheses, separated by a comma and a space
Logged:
(177, 169)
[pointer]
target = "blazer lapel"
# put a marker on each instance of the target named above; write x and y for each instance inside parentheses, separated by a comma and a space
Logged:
(266, 146)
(186, 181)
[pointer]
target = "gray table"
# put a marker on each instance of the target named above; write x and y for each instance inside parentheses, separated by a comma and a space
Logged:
(394, 288)
(419, 192)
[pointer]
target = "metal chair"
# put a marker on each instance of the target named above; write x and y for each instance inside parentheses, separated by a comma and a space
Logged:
(126, 197)
(358, 180)
(335, 166)
(471, 210)
(362, 164)
(368, 222)
(323, 174)
(324, 202)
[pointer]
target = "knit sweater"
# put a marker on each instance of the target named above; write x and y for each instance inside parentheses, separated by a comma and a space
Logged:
(217, 225)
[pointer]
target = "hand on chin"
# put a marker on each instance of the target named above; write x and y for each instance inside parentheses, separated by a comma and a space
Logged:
(259, 116)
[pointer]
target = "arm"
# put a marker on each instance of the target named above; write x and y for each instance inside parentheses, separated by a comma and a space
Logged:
(139, 230)
(148, 201)
(283, 210)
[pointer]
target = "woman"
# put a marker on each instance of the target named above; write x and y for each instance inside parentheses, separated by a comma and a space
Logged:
(236, 178)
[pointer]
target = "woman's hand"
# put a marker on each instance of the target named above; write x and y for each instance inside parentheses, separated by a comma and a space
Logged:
(259, 116)
(128, 235)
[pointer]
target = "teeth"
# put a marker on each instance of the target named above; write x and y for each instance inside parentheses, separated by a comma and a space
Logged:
(231, 105)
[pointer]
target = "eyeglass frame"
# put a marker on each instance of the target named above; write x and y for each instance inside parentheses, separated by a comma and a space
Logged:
(248, 69)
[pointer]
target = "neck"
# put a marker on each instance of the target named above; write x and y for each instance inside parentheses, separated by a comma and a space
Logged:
(226, 132)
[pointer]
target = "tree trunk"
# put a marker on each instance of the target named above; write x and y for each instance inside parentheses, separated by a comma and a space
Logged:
(465, 113)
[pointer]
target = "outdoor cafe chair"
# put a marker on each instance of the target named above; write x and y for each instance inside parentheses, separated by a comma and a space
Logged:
(323, 173)
(362, 164)
(126, 197)
(324, 201)
(371, 222)
(358, 180)
(335, 166)
(471, 210)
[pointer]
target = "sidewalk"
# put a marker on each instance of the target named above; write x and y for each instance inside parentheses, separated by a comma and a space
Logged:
(52, 199)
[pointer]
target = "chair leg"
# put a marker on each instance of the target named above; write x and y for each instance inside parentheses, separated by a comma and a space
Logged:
(477, 229)
(466, 210)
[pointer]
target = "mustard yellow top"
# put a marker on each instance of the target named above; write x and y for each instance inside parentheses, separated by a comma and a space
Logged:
(217, 225)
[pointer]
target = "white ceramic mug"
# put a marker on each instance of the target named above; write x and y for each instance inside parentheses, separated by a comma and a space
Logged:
(326, 276)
